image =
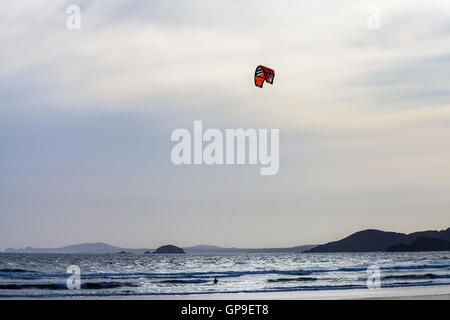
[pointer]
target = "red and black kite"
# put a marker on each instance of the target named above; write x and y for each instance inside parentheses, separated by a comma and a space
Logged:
(263, 74)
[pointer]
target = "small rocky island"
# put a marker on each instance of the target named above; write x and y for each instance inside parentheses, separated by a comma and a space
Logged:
(123, 252)
(169, 249)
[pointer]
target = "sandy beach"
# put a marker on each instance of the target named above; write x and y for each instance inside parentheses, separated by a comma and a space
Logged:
(416, 293)
(419, 293)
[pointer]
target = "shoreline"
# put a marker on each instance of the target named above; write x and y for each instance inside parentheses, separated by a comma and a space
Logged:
(409, 293)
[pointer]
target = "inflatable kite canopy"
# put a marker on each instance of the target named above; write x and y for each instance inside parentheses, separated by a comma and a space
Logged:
(262, 74)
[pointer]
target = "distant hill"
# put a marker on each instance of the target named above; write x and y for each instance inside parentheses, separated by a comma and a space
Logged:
(169, 249)
(100, 247)
(422, 244)
(88, 248)
(205, 249)
(377, 240)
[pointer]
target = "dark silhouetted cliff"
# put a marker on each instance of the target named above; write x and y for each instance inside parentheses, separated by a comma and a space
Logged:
(422, 244)
(377, 240)
(168, 249)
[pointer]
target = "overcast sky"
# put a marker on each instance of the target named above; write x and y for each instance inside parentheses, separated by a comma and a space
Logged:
(86, 117)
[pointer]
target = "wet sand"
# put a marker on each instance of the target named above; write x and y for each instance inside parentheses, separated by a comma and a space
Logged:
(411, 293)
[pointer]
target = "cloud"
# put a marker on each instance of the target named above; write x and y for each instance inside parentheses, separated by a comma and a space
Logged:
(86, 117)
(140, 52)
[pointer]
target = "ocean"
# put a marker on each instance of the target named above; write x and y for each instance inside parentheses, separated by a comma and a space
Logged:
(104, 275)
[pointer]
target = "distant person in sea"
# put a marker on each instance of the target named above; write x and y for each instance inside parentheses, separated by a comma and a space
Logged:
(216, 280)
